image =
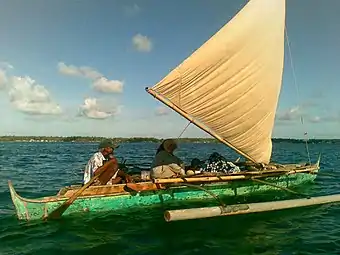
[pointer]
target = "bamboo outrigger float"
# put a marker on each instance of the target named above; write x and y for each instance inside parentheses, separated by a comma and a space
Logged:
(208, 212)
(229, 88)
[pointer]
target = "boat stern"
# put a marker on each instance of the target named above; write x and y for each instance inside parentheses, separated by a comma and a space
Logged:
(317, 164)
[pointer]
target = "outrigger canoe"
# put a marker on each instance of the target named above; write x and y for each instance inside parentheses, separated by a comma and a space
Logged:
(165, 191)
(229, 88)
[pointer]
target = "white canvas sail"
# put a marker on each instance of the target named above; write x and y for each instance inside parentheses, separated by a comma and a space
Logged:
(230, 86)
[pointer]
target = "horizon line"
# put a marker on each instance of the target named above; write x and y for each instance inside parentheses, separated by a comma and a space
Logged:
(148, 137)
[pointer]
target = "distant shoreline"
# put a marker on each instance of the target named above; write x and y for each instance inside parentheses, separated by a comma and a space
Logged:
(96, 139)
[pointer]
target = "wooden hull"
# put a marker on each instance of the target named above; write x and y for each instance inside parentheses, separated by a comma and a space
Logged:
(117, 197)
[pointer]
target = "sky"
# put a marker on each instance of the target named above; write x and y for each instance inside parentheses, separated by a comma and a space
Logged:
(81, 67)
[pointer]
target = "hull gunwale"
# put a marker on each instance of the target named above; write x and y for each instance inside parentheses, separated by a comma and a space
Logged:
(209, 185)
(118, 198)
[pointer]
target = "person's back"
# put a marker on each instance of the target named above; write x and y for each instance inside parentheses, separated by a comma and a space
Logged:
(165, 158)
(165, 164)
(96, 161)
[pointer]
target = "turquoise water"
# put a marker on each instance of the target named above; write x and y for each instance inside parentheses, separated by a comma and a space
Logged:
(41, 169)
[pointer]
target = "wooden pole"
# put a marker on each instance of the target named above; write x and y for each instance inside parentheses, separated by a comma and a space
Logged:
(191, 119)
(58, 212)
(200, 179)
(207, 212)
(233, 177)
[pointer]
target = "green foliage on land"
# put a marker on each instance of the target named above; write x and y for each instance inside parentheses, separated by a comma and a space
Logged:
(96, 139)
(92, 139)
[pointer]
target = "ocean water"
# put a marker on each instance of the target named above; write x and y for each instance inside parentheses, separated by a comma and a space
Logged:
(41, 169)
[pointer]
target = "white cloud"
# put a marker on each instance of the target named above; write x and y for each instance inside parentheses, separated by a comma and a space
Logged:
(327, 118)
(6, 65)
(291, 114)
(31, 98)
(94, 109)
(161, 110)
(90, 73)
(82, 71)
(315, 119)
(108, 86)
(99, 81)
(142, 43)
(3, 79)
(301, 113)
(68, 70)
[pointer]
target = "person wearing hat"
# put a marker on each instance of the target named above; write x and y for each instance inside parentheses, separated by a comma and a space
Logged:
(104, 155)
(165, 163)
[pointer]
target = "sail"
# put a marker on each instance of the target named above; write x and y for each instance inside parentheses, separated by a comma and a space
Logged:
(231, 84)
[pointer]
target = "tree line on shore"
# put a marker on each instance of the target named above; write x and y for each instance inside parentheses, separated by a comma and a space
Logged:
(91, 139)
(132, 139)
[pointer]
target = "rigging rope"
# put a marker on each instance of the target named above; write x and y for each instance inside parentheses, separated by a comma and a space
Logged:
(297, 91)
(184, 129)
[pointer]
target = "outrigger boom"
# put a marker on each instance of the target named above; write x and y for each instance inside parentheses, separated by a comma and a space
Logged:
(207, 212)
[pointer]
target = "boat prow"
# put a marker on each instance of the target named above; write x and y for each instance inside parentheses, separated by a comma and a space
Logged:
(19, 203)
(14, 195)
(28, 209)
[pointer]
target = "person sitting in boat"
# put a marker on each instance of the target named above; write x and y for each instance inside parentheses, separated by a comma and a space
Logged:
(165, 163)
(105, 157)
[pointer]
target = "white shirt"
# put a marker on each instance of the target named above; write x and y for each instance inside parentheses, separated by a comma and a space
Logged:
(92, 165)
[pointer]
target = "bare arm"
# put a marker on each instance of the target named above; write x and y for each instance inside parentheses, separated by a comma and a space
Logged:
(112, 163)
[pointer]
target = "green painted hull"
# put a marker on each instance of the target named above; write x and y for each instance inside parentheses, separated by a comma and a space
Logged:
(35, 209)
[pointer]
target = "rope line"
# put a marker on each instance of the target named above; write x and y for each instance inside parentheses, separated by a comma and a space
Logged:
(298, 92)
(184, 130)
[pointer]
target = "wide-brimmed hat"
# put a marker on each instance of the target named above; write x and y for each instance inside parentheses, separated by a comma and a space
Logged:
(107, 143)
(169, 145)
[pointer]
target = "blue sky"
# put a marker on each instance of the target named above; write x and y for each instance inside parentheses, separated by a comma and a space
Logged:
(102, 54)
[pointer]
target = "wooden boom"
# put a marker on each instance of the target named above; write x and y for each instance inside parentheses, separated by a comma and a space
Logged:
(206, 212)
(237, 176)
